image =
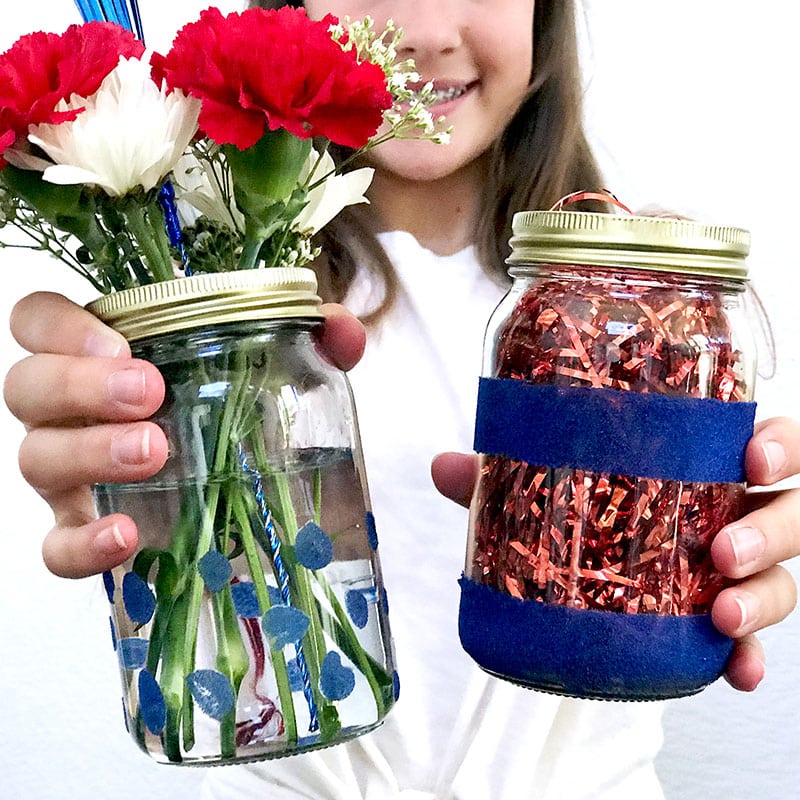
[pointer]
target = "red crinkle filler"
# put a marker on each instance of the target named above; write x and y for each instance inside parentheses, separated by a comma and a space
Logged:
(595, 540)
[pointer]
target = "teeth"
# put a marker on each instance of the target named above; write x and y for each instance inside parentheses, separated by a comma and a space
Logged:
(443, 95)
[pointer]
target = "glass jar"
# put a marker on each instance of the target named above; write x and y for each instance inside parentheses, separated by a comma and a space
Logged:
(252, 621)
(613, 413)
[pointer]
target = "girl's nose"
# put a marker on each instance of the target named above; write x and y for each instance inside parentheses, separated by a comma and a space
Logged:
(429, 27)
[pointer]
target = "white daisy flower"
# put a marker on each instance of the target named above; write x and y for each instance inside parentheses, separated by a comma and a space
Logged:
(130, 134)
(335, 192)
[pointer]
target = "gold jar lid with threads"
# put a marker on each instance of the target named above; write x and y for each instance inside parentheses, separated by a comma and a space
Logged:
(663, 244)
(210, 299)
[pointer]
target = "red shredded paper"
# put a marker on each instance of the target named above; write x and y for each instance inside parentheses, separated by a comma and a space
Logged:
(594, 540)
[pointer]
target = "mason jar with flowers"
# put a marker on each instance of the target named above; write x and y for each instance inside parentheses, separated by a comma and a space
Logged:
(187, 188)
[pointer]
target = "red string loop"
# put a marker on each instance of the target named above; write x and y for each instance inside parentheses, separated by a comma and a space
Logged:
(604, 196)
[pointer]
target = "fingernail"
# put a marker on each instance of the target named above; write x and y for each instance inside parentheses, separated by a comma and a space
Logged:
(748, 544)
(103, 345)
(748, 608)
(132, 447)
(775, 455)
(110, 540)
(126, 386)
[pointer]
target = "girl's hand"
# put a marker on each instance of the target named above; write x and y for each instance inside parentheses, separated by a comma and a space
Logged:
(85, 401)
(751, 549)
(748, 550)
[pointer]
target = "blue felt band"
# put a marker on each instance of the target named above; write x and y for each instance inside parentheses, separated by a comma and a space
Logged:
(586, 653)
(613, 431)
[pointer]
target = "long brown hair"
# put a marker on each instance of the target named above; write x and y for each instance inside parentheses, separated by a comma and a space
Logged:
(542, 156)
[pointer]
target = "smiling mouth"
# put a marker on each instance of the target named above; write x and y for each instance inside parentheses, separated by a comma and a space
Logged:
(445, 95)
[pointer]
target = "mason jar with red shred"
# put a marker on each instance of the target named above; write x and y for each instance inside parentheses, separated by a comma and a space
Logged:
(613, 414)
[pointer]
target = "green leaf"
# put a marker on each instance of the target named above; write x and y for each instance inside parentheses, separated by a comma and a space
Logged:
(69, 208)
(144, 561)
(168, 582)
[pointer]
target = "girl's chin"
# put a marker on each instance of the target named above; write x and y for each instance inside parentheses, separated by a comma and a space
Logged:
(421, 161)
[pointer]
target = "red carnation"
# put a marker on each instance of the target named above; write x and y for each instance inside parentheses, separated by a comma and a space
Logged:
(264, 69)
(41, 69)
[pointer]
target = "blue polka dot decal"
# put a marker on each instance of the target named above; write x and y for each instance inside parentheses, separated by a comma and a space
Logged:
(295, 676)
(284, 625)
(384, 601)
(151, 703)
(357, 607)
(212, 691)
(139, 600)
(372, 531)
(275, 598)
(313, 548)
(396, 685)
(113, 633)
(133, 652)
(245, 600)
(215, 570)
(108, 584)
(335, 680)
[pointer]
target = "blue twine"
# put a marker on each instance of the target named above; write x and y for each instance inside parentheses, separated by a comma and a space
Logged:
(122, 12)
(166, 198)
(283, 581)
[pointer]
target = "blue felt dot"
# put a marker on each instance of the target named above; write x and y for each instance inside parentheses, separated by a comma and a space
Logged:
(108, 583)
(113, 633)
(139, 600)
(396, 685)
(335, 680)
(357, 607)
(151, 703)
(384, 601)
(212, 691)
(295, 676)
(133, 652)
(284, 625)
(215, 570)
(245, 600)
(275, 597)
(372, 531)
(312, 547)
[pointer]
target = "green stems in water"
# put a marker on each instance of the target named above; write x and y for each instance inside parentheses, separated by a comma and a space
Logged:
(223, 517)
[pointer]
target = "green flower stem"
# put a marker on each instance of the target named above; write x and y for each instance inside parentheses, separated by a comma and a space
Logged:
(253, 239)
(352, 645)
(179, 658)
(347, 639)
(317, 495)
(172, 677)
(146, 224)
(232, 661)
(303, 598)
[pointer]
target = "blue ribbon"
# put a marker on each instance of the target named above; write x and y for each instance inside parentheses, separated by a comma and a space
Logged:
(587, 653)
(613, 431)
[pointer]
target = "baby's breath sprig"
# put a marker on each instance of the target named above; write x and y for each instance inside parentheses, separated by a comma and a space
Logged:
(409, 116)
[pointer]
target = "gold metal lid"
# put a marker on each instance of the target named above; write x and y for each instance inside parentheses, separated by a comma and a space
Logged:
(202, 300)
(663, 244)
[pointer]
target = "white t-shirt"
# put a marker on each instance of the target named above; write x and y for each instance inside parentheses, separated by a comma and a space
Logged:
(455, 733)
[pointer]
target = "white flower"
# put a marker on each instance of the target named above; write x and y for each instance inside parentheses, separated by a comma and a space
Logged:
(335, 192)
(200, 189)
(130, 134)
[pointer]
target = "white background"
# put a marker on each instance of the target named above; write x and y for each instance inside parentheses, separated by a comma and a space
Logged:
(691, 105)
